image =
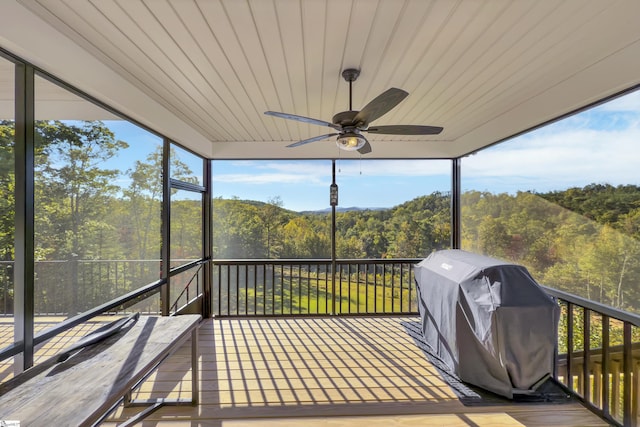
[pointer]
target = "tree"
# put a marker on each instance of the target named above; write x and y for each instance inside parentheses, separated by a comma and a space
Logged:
(237, 231)
(493, 237)
(7, 212)
(272, 219)
(305, 237)
(73, 189)
(186, 229)
(351, 248)
(144, 197)
(7, 188)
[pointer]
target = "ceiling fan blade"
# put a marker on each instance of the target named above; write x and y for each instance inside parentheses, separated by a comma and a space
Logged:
(302, 119)
(405, 130)
(315, 138)
(366, 148)
(380, 105)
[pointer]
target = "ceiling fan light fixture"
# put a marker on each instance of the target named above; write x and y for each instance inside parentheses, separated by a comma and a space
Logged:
(350, 141)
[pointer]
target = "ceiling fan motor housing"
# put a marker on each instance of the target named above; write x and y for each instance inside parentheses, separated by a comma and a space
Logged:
(350, 74)
(345, 118)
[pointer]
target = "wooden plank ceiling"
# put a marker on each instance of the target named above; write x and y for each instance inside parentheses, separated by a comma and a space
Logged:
(484, 70)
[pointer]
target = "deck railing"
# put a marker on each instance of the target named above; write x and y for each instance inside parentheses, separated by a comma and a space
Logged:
(99, 277)
(599, 357)
(310, 287)
(598, 351)
(67, 287)
(244, 287)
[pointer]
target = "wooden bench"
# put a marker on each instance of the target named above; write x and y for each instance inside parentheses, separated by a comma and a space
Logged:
(83, 389)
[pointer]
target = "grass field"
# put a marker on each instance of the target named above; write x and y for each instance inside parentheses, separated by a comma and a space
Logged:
(296, 291)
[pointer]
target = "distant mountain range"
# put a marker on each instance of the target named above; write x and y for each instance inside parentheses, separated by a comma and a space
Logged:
(315, 212)
(339, 209)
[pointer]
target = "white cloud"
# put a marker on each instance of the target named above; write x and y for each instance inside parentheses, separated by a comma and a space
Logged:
(265, 178)
(569, 158)
(390, 168)
(628, 103)
(319, 172)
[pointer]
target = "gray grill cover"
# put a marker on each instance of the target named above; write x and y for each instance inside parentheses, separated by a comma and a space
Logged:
(488, 320)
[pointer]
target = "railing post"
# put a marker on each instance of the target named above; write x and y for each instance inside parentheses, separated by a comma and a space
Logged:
(74, 282)
(375, 288)
(635, 388)
(217, 269)
(627, 367)
(333, 202)
(358, 288)
(281, 289)
(348, 287)
(273, 289)
(605, 365)
(401, 286)
(384, 288)
(255, 290)
(237, 288)
(569, 346)
(586, 363)
(264, 289)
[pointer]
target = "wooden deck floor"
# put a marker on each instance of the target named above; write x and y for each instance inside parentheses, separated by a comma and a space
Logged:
(51, 347)
(325, 372)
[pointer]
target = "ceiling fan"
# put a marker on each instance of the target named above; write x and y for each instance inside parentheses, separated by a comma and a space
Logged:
(350, 124)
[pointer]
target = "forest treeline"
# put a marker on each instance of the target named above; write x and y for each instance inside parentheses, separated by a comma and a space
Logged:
(249, 229)
(582, 240)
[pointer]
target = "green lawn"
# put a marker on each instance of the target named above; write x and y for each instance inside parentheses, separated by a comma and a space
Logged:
(313, 294)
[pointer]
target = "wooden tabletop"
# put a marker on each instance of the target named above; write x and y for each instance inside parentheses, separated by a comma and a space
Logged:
(81, 389)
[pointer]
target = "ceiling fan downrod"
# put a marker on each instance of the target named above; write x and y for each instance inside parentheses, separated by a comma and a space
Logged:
(350, 75)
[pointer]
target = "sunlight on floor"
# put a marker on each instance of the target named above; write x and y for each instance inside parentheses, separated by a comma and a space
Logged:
(317, 361)
(51, 347)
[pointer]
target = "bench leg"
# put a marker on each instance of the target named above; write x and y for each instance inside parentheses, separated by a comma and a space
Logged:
(195, 374)
(143, 414)
(153, 405)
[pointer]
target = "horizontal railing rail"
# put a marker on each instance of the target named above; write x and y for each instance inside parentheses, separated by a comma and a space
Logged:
(119, 304)
(190, 286)
(310, 287)
(68, 287)
(625, 316)
(599, 357)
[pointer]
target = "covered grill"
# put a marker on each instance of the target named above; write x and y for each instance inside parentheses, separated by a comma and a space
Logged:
(488, 320)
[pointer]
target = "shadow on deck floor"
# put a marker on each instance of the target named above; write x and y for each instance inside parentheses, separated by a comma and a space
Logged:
(327, 371)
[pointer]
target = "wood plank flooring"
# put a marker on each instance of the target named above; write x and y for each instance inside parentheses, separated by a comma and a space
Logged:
(329, 371)
(52, 346)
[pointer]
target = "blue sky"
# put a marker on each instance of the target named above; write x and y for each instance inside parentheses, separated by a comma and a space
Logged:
(601, 145)
(304, 185)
